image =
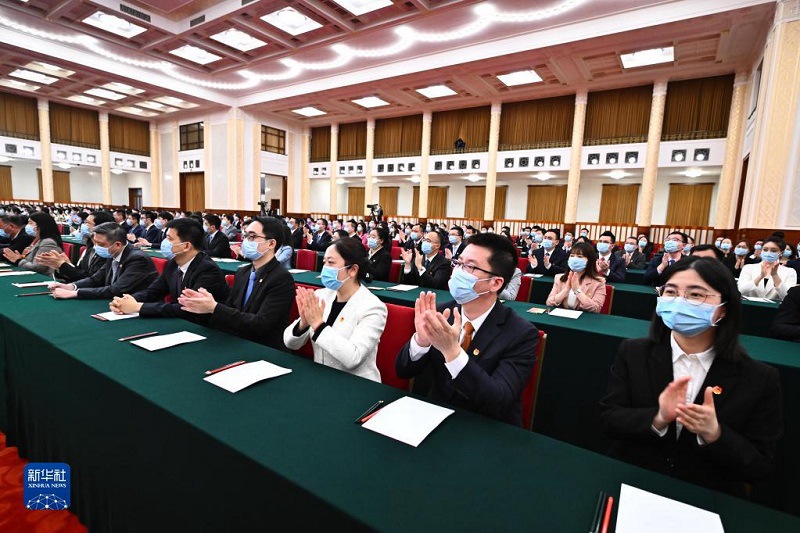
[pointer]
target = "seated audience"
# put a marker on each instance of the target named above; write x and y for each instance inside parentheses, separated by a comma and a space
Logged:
(45, 238)
(609, 266)
(672, 253)
(631, 254)
(88, 262)
(582, 288)
(707, 250)
(379, 258)
(735, 261)
(768, 279)
(427, 268)
(216, 243)
(18, 238)
(549, 259)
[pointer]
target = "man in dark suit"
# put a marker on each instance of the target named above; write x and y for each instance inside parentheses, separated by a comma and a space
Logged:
(216, 243)
(136, 230)
(476, 353)
(120, 218)
(428, 268)
(152, 235)
(260, 302)
(18, 240)
(88, 263)
(631, 255)
(187, 268)
(608, 264)
(296, 227)
(549, 259)
(672, 253)
(455, 244)
(320, 239)
(126, 269)
(786, 324)
(414, 238)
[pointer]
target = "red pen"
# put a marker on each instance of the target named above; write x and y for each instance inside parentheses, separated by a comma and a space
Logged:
(226, 367)
(607, 518)
(375, 412)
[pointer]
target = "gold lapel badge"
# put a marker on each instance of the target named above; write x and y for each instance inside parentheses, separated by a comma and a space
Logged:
(717, 390)
(476, 352)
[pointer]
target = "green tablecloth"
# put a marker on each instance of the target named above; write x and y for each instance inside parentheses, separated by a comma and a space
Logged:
(634, 275)
(154, 447)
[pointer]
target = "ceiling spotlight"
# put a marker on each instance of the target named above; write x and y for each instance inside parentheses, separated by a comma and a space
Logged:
(611, 159)
(678, 156)
(555, 161)
(538, 161)
(701, 154)
(509, 162)
(631, 157)
(594, 159)
(476, 164)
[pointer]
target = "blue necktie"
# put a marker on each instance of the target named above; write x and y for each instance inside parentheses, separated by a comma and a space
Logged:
(671, 262)
(250, 286)
(114, 270)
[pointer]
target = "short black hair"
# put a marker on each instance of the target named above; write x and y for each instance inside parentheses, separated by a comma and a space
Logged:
(112, 231)
(556, 231)
(503, 258)
(383, 234)
(353, 253)
(272, 228)
(323, 222)
(341, 233)
(720, 278)
(166, 215)
(776, 239)
(213, 220)
(458, 230)
(152, 215)
(188, 230)
(101, 217)
(704, 247)
(683, 236)
(609, 234)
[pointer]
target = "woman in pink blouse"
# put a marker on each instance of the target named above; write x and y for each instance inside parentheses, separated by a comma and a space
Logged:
(581, 287)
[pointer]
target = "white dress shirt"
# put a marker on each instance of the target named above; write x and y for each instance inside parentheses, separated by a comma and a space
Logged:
(455, 366)
(750, 273)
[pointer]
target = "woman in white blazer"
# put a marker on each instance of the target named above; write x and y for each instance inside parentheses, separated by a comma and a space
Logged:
(344, 320)
(768, 279)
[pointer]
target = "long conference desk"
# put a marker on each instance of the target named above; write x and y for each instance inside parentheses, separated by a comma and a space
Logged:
(154, 447)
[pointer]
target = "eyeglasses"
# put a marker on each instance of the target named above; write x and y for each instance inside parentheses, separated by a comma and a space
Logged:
(252, 237)
(469, 268)
(694, 296)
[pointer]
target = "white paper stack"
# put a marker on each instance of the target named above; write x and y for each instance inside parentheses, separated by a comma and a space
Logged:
(402, 288)
(167, 341)
(566, 313)
(640, 510)
(296, 271)
(34, 284)
(242, 376)
(17, 273)
(408, 420)
(111, 316)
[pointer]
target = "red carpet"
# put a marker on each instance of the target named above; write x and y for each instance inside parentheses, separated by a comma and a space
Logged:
(14, 518)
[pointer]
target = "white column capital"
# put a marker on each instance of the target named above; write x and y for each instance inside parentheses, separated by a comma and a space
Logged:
(497, 108)
(660, 88)
(742, 78)
(334, 128)
(427, 116)
(43, 103)
(581, 97)
(370, 123)
(102, 116)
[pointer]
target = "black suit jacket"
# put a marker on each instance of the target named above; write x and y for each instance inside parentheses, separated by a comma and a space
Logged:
(786, 324)
(136, 271)
(617, 268)
(266, 313)
(202, 272)
(219, 246)
(20, 242)
(380, 264)
(436, 275)
(297, 238)
(749, 409)
(493, 380)
(558, 262)
(651, 275)
(458, 250)
(87, 265)
(153, 235)
(320, 242)
(638, 260)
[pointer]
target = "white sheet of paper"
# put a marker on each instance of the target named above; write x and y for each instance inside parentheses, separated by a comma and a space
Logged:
(757, 299)
(408, 420)
(5, 265)
(533, 275)
(17, 273)
(402, 288)
(640, 510)
(566, 313)
(242, 376)
(34, 284)
(167, 341)
(111, 316)
(225, 260)
(296, 271)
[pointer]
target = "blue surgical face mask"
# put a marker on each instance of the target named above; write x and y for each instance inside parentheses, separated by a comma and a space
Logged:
(725, 246)
(583, 234)
(787, 253)
(318, 227)
(414, 236)
(453, 239)
(101, 252)
(672, 246)
(466, 236)
(462, 286)
(642, 243)
(757, 247)
(205, 228)
(3, 233)
(166, 249)
(250, 250)
(290, 224)
(684, 317)
(769, 257)
(568, 238)
(330, 277)
(30, 231)
(85, 229)
(603, 247)
(157, 223)
(577, 264)
(538, 238)
(426, 248)
(372, 242)
(548, 244)
(740, 251)
(630, 248)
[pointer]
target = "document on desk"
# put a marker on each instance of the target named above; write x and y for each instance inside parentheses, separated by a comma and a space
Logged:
(242, 376)
(640, 510)
(757, 299)
(111, 316)
(565, 313)
(167, 341)
(402, 288)
(17, 273)
(297, 271)
(225, 260)
(533, 275)
(408, 420)
(34, 284)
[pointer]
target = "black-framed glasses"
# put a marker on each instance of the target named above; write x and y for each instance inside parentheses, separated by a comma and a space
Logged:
(252, 237)
(469, 268)
(695, 295)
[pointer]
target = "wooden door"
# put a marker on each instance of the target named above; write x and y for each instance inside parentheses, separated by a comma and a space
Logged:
(135, 198)
(193, 191)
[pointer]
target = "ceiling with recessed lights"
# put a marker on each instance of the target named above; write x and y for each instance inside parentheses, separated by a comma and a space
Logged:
(318, 61)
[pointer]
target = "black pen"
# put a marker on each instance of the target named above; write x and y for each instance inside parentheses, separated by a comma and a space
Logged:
(601, 498)
(377, 405)
(139, 336)
(43, 293)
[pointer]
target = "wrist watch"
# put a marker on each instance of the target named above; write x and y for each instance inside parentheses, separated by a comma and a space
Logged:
(577, 291)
